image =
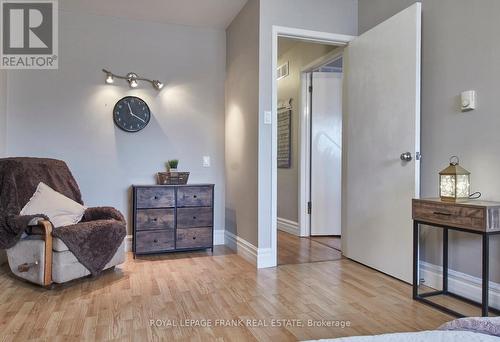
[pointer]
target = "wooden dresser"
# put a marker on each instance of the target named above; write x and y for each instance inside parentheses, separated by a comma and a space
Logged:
(169, 218)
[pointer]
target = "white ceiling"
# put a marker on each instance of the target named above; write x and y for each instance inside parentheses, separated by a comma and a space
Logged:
(216, 14)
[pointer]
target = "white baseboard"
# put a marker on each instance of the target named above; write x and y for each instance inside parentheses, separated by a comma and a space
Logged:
(459, 283)
(260, 257)
(128, 243)
(288, 226)
(265, 258)
(218, 240)
(242, 247)
(219, 237)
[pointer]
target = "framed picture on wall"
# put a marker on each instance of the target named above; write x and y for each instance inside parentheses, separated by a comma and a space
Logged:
(284, 138)
(282, 71)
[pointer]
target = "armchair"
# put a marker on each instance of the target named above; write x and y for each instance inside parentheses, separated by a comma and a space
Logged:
(40, 253)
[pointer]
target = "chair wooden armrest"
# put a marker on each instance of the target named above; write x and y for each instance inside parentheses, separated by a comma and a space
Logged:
(46, 227)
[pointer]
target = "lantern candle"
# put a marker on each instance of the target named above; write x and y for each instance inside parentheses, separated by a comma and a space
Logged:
(454, 182)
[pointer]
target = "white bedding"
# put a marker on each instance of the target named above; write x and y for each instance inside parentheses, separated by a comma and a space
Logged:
(423, 336)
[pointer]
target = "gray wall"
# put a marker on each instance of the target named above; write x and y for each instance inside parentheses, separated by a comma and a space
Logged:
(298, 56)
(336, 16)
(461, 51)
(67, 113)
(242, 100)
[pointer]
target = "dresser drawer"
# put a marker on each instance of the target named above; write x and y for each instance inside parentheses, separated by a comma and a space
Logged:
(155, 197)
(450, 215)
(194, 196)
(148, 219)
(194, 238)
(194, 217)
(154, 241)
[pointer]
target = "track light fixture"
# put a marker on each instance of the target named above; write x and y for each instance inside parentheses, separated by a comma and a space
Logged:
(132, 79)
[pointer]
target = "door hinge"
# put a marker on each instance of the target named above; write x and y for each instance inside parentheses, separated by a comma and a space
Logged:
(309, 207)
(310, 89)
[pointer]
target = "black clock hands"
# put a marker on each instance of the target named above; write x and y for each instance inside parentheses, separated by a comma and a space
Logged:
(135, 116)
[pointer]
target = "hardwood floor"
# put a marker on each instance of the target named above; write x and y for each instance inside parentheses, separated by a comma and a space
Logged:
(119, 304)
(296, 250)
(330, 241)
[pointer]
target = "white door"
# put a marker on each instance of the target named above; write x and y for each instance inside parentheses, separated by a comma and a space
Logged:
(382, 121)
(326, 153)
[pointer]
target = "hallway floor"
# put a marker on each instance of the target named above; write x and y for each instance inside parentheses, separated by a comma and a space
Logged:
(330, 241)
(299, 250)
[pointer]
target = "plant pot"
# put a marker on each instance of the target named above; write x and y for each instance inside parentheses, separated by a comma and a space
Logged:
(172, 170)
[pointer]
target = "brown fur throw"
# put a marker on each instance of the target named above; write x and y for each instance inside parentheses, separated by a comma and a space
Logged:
(93, 241)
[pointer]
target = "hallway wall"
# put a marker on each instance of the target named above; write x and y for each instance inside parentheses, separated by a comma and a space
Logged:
(298, 56)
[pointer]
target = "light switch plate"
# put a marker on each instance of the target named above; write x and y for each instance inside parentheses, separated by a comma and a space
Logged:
(268, 117)
(206, 161)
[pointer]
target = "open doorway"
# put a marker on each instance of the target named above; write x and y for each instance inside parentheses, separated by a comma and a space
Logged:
(309, 131)
(381, 123)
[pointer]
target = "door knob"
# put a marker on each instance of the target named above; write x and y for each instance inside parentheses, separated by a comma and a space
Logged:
(406, 156)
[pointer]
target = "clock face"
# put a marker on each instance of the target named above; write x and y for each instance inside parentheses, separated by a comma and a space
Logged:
(131, 114)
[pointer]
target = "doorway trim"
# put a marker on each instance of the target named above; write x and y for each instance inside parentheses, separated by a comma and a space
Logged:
(307, 35)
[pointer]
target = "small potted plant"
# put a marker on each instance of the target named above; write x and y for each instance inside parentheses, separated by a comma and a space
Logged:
(172, 165)
(172, 176)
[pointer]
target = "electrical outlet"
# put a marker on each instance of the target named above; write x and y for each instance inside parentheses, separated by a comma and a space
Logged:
(206, 161)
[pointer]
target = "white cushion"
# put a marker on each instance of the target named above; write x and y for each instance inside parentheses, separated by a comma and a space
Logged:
(57, 244)
(61, 210)
(65, 266)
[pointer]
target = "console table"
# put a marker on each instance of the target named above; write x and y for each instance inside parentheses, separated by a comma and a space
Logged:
(169, 218)
(475, 217)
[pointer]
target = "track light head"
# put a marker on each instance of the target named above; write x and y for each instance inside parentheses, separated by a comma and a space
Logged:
(157, 84)
(109, 78)
(133, 83)
(132, 80)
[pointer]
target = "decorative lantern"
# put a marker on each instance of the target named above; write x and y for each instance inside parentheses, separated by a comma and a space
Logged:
(454, 182)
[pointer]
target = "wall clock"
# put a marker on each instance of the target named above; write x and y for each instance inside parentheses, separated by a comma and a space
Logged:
(131, 114)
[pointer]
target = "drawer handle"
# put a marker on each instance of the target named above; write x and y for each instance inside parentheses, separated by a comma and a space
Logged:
(440, 213)
(194, 217)
(155, 241)
(194, 196)
(155, 219)
(156, 197)
(194, 237)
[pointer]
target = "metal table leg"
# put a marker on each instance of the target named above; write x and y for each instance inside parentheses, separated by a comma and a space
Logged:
(415, 258)
(486, 271)
(445, 260)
